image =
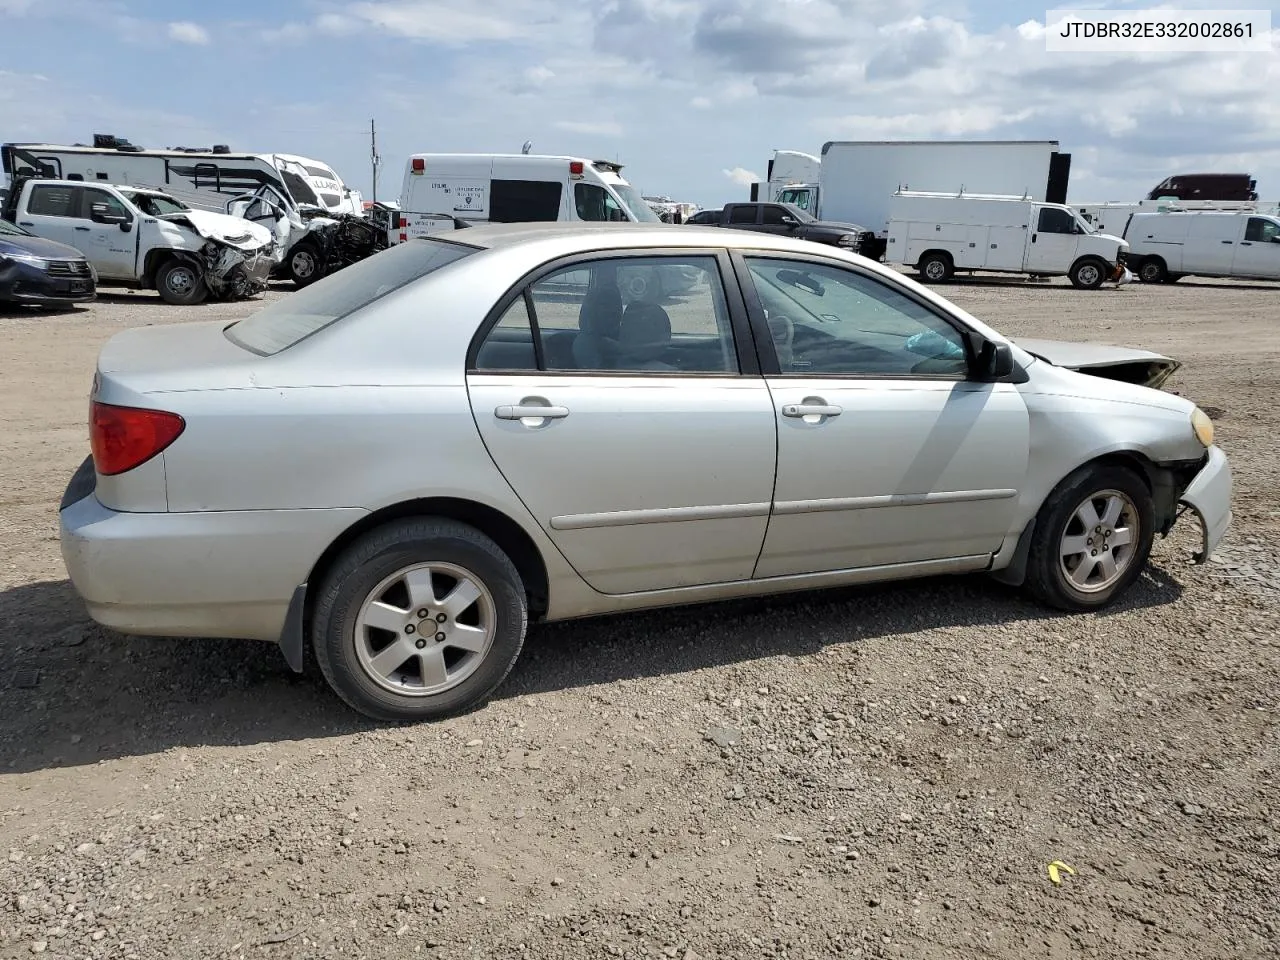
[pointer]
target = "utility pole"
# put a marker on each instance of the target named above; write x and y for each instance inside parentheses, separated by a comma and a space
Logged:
(373, 157)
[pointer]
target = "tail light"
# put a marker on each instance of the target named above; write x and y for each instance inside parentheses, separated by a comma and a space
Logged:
(122, 438)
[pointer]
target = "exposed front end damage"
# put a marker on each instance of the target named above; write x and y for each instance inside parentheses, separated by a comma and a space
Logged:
(343, 239)
(1208, 496)
(234, 257)
(1127, 364)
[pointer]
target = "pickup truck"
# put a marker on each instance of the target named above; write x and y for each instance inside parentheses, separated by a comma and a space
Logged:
(146, 239)
(784, 219)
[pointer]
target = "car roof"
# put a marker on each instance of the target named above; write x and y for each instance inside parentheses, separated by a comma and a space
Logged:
(574, 237)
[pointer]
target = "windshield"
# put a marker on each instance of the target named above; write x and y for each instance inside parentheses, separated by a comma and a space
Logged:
(799, 199)
(299, 189)
(283, 323)
(630, 196)
(155, 204)
(13, 230)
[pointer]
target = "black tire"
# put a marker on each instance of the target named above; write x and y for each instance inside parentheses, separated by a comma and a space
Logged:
(181, 283)
(1174, 277)
(305, 264)
(1047, 580)
(377, 556)
(1152, 270)
(936, 267)
(1088, 273)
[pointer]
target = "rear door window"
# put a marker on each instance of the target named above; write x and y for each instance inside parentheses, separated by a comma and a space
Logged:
(524, 201)
(742, 214)
(52, 201)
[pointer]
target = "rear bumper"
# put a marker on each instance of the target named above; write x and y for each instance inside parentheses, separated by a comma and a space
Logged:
(214, 574)
(1208, 495)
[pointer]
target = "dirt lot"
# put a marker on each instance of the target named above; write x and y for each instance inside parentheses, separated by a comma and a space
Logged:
(866, 773)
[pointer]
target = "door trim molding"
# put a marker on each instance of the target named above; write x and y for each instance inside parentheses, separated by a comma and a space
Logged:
(627, 518)
(833, 504)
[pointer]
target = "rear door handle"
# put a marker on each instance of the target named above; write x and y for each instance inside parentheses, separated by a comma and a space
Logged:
(530, 411)
(1228, 241)
(811, 410)
(84, 229)
(25, 223)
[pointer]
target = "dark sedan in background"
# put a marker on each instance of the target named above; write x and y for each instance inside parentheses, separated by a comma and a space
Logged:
(39, 272)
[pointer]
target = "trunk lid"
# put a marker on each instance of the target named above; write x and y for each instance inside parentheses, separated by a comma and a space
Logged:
(173, 357)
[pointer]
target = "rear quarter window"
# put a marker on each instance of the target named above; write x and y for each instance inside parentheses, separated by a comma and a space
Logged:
(286, 322)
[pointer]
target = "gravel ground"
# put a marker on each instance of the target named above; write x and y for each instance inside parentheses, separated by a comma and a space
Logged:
(878, 772)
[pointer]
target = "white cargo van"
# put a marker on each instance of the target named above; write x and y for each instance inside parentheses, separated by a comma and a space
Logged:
(1167, 246)
(512, 188)
(939, 234)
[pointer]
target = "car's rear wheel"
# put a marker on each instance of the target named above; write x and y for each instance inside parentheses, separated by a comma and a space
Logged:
(1092, 538)
(419, 619)
(1152, 270)
(180, 283)
(936, 267)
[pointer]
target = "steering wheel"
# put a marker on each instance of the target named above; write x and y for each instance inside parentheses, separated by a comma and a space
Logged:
(782, 330)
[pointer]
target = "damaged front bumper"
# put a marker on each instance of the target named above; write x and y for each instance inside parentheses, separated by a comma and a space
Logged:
(1208, 496)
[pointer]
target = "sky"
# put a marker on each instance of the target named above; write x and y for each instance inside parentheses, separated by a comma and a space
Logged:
(692, 96)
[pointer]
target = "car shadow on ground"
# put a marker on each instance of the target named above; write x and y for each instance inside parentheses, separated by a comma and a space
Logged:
(73, 693)
(43, 310)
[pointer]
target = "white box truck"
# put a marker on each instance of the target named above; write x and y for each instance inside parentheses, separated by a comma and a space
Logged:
(1165, 247)
(858, 177)
(940, 233)
(442, 188)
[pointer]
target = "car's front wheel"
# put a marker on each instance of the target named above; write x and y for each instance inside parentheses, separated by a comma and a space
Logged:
(419, 619)
(1092, 538)
(181, 284)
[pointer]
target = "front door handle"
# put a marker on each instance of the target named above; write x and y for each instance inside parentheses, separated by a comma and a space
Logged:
(25, 223)
(1228, 241)
(812, 407)
(83, 229)
(530, 411)
(1246, 243)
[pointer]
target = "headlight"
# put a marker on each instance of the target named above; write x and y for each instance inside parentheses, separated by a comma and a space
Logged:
(1203, 426)
(846, 240)
(40, 263)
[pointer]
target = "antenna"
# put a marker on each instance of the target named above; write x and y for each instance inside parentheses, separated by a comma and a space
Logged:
(374, 159)
(528, 145)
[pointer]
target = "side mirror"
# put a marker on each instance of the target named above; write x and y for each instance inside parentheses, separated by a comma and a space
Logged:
(101, 213)
(789, 221)
(995, 360)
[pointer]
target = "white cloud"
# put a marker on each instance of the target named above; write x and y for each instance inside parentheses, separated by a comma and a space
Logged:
(700, 103)
(742, 176)
(447, 22)
(598, 128)
(539, 75)
(184, 31)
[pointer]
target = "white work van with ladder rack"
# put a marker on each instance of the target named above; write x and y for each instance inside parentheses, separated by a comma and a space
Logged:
(939, 234)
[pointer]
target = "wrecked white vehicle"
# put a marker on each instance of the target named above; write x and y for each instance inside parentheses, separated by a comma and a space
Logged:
(147, 239)
(312, 242)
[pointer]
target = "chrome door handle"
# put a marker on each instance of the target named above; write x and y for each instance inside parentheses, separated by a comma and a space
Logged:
(811, 410)
(530, 411)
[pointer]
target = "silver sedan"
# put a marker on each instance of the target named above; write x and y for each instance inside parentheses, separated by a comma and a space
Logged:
(401, 465)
